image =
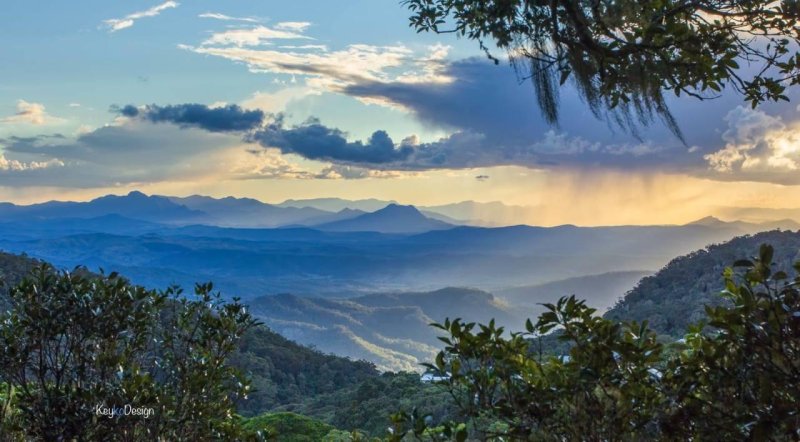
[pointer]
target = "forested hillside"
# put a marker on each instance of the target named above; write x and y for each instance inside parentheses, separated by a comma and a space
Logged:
(284, 373)
(676, 296)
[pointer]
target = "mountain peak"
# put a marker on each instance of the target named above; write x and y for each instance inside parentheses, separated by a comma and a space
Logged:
(136, 194)
(400, 209)
(707, 221)
(393, 218)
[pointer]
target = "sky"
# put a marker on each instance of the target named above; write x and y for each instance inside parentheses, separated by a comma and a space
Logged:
(304, 99)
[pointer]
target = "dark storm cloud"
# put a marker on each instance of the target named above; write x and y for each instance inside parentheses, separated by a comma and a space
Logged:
(317, 142)
(493, 119)
(230, 118)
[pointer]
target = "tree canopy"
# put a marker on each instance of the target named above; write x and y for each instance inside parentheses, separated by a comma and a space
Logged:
(85, 357)
(738, 380)
(626, 56)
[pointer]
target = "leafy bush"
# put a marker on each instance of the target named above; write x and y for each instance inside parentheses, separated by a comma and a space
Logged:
(738, 380)
(77, 349)
(288, 427)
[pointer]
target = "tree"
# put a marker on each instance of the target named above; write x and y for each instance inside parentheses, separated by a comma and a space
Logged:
(87, 357)
(624, 55)
(741, 381)
(735, 378)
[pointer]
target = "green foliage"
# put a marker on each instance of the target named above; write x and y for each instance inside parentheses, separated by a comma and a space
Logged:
(744, 378)
(283, 373)
(288, 427)
(605, 387)
(369, 405)
(738, 381)
(13, 268)
(623, 55)
(74, 344)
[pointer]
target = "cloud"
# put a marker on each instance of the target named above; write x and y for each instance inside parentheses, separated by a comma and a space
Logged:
(492, 117)
(130, 151)
(317, 142)
(758, 147)
(117, 24)
(268, 164)
(255, 36)
(7, 165)
(338, 171)
(464, 149)
(323, 69)
(218, 16)
(226, 118)
(296, 26)
(31, 113)
(274, 102)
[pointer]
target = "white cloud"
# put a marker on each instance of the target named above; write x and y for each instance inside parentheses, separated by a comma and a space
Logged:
(267, 164)
(20, 166)
(116, 24)
(758, 146)
(340, 171)
(296, 26)
(223, 17)
(274, 102)
(322, 48)
(31, 113)
(330, 71)
(323, 69)
(255, 36)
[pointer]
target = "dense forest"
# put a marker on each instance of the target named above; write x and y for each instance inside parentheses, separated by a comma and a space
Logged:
(290, 392)
(676, 296)
(283, 376)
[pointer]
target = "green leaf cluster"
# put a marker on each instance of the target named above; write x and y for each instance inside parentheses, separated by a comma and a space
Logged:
(73, 342)
(624, 56)
(735, 378)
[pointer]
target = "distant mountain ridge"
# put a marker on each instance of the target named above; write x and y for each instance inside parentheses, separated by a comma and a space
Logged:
(491, 214)
(784, 224)
(246, 212)
(227, 212)
(393, 218)
(134, 205)
(252, 213)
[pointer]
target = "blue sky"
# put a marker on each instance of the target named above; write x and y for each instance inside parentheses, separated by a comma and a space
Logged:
(277, 100)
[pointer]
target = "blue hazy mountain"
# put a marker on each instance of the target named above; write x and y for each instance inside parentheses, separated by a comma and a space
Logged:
(196, 209)
(56, 227)
(485, 214)
(306, 261)
(248, 212)
(338, 204)
(157, 241)
(393, 218)
(134, 205)
(375, 260)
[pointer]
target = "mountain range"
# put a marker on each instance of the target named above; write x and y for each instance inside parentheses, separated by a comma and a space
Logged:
(354, 282)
